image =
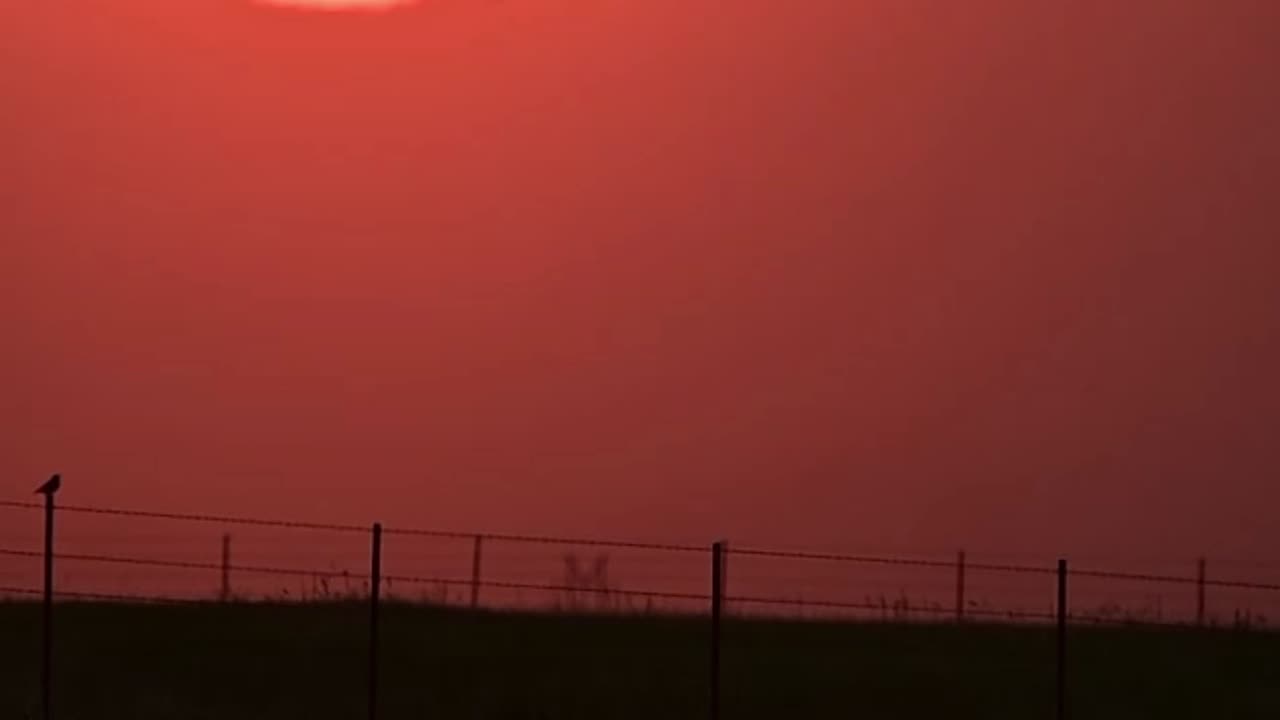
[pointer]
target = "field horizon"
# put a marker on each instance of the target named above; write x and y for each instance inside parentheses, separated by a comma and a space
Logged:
(247, 660)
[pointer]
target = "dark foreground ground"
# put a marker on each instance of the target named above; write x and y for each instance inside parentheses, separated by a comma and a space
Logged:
(245, 662)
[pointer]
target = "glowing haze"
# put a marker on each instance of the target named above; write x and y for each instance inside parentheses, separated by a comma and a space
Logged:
(332, 5)
(859, 274)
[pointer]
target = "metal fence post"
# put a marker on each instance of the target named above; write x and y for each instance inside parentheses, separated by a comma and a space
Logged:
(1200, 594)
(49, 489)
(717, 579)
(960, 587)
(225, 594)
(724, 578)
(375, 580)
(1062, 639)
(475, 571)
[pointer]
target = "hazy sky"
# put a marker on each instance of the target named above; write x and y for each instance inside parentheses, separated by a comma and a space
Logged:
(873, 275)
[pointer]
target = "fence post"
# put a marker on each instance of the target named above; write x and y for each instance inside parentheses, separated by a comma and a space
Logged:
(225, 594)
(49, 489)
(960, 587)
(1200, 594)
(475, 571)
(375, 580)
(717, 579)
(724, 578)
(1062, 639)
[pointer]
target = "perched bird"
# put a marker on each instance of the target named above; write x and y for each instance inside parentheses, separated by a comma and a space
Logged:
(51, 486)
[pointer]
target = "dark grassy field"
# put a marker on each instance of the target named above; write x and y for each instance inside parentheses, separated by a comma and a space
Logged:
(309, 662)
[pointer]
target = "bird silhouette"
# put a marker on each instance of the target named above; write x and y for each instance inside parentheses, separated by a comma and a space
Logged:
(51, 486)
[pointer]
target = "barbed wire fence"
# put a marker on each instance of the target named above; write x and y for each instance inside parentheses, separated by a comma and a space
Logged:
(680, 575)
(487, 572)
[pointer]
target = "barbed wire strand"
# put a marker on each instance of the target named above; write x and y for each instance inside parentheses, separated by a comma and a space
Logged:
(110, 597)
(185, 565)
(197, 517)
(1175, 579)
(551, 540)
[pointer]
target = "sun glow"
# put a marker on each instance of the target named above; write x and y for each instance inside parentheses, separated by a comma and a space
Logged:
(337, 5)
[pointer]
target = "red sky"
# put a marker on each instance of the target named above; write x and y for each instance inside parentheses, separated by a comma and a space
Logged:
(869, 275)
